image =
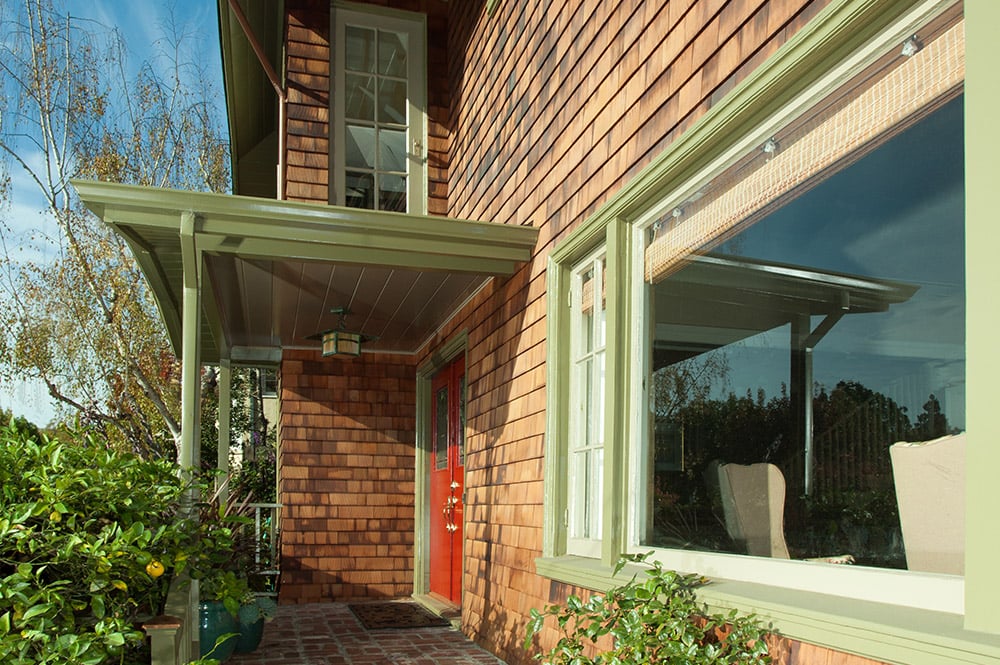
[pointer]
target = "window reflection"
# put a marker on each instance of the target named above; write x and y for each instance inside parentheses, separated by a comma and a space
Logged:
(812, 341)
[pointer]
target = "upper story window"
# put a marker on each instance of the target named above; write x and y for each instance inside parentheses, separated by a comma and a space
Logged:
(378, 133)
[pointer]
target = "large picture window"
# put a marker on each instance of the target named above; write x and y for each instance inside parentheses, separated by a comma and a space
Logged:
(803, 336)
(798, 351)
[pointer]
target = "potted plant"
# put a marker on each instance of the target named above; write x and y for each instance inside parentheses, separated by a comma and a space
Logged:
(212, 560)
(254, 612)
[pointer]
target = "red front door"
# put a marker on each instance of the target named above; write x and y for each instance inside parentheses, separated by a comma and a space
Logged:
(447, 480)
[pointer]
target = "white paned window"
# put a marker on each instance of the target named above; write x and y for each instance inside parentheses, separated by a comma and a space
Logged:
(587, 399)
(378, 134)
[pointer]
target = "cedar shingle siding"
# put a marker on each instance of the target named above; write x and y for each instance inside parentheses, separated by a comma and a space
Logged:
(346, 477)
(537, 115)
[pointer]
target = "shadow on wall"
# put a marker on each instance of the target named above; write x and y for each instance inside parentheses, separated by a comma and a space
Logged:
(347, 477)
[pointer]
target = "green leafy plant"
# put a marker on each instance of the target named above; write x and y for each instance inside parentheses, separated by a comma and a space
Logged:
(86, 537)
(90, 541)
(256, 608)
(655, 620)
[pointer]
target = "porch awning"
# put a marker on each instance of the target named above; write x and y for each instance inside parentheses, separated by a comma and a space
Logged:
(273, 270)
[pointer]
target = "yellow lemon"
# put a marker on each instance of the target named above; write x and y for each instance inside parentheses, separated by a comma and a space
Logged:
(154, 569)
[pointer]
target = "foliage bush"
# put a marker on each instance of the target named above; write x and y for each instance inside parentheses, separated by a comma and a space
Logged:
(90, 540)
(658, 620)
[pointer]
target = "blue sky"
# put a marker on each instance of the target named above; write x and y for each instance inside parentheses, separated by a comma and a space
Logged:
(144, 24)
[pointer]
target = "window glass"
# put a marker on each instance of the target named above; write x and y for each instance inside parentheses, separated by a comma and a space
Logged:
(806, 344)
(441, 429)
(587, 395)
(378, 141)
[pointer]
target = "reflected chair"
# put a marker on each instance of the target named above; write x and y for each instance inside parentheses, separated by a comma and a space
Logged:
(753, 502)
(930, 492)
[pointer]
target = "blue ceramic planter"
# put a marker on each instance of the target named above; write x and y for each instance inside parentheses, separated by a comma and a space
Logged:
(250, 635)
(214, 621)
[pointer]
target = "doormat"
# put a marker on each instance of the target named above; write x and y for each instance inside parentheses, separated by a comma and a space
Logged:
(381, 615)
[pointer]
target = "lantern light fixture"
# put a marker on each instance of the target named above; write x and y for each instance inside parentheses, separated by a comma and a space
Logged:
(340, 341)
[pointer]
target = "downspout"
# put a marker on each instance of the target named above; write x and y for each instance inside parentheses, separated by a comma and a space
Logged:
(272, 76)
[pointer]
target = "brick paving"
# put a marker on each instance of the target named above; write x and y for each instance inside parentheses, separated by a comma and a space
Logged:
(329, 634)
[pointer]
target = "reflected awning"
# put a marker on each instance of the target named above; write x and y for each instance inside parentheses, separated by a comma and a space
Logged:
(273, 270)
(715, 301)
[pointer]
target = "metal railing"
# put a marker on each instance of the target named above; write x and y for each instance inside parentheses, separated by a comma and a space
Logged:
(267, 549)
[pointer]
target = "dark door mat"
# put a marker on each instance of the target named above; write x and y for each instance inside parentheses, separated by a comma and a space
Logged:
(381, 615)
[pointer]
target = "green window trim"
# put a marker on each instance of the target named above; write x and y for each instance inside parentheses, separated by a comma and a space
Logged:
(875, 630)
(888, 632)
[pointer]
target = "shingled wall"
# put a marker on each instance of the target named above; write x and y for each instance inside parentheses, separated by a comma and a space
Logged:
(538, 115)
(346, 477)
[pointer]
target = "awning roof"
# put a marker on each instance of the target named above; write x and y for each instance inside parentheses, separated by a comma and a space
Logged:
(273, 270)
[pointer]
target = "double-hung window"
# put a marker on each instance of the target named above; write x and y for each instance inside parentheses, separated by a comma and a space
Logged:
(378, 132)
(588, 347)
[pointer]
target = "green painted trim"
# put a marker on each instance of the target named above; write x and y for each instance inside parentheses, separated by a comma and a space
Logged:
(421, 507)
(982, 98)
(557, 404)
(618, 376)
(250, 218)
(885, 632)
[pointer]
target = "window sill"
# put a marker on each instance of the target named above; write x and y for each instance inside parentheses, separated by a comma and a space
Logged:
(875, 630)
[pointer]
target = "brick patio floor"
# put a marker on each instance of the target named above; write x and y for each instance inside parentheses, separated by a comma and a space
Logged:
(329, 634)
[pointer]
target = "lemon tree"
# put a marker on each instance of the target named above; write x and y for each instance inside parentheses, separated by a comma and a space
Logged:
(89, 541)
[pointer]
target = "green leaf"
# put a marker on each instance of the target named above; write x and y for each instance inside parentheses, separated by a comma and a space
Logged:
(4, 623)
(97, 606)
(36, 610)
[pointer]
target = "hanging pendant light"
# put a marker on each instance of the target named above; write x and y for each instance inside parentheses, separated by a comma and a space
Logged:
(340, 341)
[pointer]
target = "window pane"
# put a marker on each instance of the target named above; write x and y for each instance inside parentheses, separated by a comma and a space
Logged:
(359, 97)
(359, 147)
(360, 49)
(441, 429)
(587, 386)
(392, 53)
(586, 383)
(392, 102)
(392, 193)
(595, 494)
(805, 346)
(392, 150)
(586, 326)
(580, 508)
(461, 421)
(360, 191)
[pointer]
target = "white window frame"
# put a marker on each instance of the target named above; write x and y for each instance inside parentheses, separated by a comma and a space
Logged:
(898, 587)
(585, 495)
(415, 26)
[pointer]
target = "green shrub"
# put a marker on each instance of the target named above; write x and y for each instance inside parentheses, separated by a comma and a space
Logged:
(89, 540)
(654, 621)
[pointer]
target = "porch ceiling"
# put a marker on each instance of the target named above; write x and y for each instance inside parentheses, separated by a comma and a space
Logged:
(274, 269)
